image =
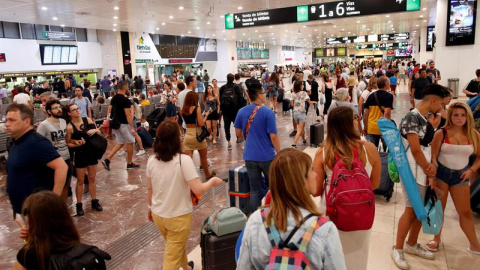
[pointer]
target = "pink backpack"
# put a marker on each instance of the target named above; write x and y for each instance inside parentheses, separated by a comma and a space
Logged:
(350, 199)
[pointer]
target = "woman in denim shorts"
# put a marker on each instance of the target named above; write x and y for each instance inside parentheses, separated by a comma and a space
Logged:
(451, 148)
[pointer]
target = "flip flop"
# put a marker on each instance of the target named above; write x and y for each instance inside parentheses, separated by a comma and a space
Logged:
(433, 243)
(473, 252)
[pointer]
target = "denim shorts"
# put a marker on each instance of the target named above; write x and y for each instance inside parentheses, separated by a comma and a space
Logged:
(273, 94)
(451, 177)
(299, 117)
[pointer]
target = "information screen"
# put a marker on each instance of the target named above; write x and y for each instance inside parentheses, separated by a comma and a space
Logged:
(323, 11)
(319, 53)
(370, 38)
(461, 22)
(431, 38)
(58, 54)
(341, 52)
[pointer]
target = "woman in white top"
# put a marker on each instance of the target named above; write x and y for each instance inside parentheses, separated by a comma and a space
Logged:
(170, 178)
(451, 148)
(342, 139)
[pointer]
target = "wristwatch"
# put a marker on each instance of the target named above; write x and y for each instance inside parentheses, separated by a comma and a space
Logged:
(435, 163)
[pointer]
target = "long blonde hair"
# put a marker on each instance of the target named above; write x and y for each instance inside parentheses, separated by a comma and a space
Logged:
(288, 174)
(468, 129)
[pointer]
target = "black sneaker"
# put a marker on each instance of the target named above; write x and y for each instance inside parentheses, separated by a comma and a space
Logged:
(70, 192)
(96, 205)
(106, 164)
(133, 165)
(190, 263)
(80, 211)
(293, 133)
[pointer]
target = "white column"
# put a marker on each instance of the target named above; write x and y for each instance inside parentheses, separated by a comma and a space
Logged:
(227, 61)
(275, 54)
(455, 61)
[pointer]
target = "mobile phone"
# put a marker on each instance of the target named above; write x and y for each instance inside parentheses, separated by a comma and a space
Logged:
(210, 110)
(19, 219)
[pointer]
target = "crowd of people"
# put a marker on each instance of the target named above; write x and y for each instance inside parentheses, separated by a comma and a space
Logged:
(438, 137)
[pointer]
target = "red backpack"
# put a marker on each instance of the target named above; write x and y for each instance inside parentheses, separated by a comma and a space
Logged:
(350, 199)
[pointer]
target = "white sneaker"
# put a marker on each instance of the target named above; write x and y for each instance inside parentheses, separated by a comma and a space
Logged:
(140, 152)
(121, 153)
(398, 257)
(418, 250)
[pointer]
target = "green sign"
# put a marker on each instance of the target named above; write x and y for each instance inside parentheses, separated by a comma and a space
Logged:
(229, 21)
(302, 14)
(413, 5)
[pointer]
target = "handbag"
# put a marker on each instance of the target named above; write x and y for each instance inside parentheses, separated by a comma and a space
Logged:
(434, 221)
(204, 134)
(114, 121)
(96, 143)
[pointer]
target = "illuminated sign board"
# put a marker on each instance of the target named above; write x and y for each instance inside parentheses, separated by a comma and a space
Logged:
(462, 15)
(370, 38)
(321, 11)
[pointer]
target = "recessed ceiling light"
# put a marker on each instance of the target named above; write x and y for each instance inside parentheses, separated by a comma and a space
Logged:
(198, 28)
(240, 8)
(182, 35)
(324, 21)
(416, 25)
(324, 32)
(364, 25)
(62, 25)
(387, 16)
(224, 39)
(421, 16)
(163, 23)
(368, 29)
(244, 34)
(424, 20)
(334, 26)
(249, 38)
(114, 24)
(315, 30)
(170, 17)
(221, 16)
(256, 31)
(343, 29)
(157, 28)
(259, 36)
(54, 18)
(208, 22)
(271, 26)
(180, 7)
(189, 32)
(116, 8)
(115, 17)
(213, 34)
(44, 8)
(304, 26)
(114, 30)
(424, 8)
(286, 30)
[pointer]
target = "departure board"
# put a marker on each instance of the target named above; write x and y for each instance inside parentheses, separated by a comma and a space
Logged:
(58, 54)
(321, 11)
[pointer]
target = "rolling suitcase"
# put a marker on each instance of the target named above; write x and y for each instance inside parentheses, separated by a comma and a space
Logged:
(239, 188)
(281, 94)
(475, 196)
(218, 252)
(316, 134)
(386, 184)
(285, 105)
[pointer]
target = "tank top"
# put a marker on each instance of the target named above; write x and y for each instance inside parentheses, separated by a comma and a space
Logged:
(211, 104)
(191, 118)
(78, 134)
(452, 156)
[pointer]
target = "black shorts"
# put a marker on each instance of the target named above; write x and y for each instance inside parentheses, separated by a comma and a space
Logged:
(213, 116)
(84, 158)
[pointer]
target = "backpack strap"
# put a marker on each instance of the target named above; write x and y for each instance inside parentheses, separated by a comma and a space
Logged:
(303, 242)
(250, 121)
(273, 234)
(292, 233)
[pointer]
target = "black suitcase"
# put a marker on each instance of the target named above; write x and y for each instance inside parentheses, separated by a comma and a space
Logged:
(475, 196)
(316, 134)
(386, 184)
(285, 105)
(218, 252)
(281, 94)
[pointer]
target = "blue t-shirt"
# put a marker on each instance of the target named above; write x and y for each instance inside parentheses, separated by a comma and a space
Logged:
(200, 87)
(258, 146)
(27, 168)
(393, 80)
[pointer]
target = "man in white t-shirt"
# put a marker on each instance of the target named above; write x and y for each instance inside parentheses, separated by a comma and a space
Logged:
(306, 73)
(22, 98)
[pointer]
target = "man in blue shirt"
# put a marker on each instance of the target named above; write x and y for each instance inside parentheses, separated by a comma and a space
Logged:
(257, 124)
(106, 85)
(33, 163)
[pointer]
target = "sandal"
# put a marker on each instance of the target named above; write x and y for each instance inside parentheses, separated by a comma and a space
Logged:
(433, 245)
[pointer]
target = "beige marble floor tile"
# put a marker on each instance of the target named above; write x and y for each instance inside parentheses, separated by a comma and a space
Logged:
(457, 257)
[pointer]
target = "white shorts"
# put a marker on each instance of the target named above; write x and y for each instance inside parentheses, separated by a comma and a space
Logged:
(123, 134)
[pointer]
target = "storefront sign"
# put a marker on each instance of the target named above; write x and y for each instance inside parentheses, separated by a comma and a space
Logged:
(2, 57)
(462, 15)
(144, 49)
(370, 38)
(179, 61)
(288, 59)
(53, 35)
(322, 11)
(47, 73)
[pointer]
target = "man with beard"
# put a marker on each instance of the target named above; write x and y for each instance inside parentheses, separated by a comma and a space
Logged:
(54, 128)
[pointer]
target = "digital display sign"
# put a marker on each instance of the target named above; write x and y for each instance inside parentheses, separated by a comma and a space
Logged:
(341, 52)
(319, 53)
(370, 38)
(322, 11)
(461, 22)
(431, 38)
(58, 54)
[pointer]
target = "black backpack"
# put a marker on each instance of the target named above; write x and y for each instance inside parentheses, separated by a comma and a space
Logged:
(229, 98)
(80, 257)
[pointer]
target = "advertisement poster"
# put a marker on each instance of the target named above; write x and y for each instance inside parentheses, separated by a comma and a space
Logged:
(461, 22)
(431, 38)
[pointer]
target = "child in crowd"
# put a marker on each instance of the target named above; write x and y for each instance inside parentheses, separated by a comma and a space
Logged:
(144, 122)
(393, 82)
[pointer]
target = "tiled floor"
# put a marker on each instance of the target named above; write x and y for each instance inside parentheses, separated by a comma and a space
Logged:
(123, 196)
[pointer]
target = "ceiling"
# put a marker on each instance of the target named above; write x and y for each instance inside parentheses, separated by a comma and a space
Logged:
(203, 18)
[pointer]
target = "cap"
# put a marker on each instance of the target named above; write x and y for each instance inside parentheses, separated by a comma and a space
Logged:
(351, 81)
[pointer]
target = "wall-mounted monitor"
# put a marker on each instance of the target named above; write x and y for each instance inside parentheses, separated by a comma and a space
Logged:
(319, 53)
(461, 20)
(58, 54)
(431, 38)
(341, 51)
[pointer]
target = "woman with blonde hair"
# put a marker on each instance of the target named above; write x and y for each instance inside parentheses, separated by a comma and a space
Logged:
(292, 182)
(371, 87)
(452, 146)
(343, 142)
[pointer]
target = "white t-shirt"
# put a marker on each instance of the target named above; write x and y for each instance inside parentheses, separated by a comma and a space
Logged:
(362, 85)
(170, 191)
(22, 98)
(145, 125)
(306, 73)
(299, 101)
(181, 98)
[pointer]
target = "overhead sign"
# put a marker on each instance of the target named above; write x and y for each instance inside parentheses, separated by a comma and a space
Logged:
(179, 61)
(462, 15)
(370, 38)
(322, 11)
(54, 35)
(144, 50)
(47, 73)
(2, 57)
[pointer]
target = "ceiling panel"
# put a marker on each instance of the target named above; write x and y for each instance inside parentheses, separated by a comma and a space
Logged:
(201, 18)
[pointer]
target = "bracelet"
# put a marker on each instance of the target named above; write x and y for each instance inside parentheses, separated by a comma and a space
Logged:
(470, 169)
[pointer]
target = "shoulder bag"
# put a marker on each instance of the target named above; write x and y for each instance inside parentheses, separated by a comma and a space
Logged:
(204, 134)
(96, 143)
